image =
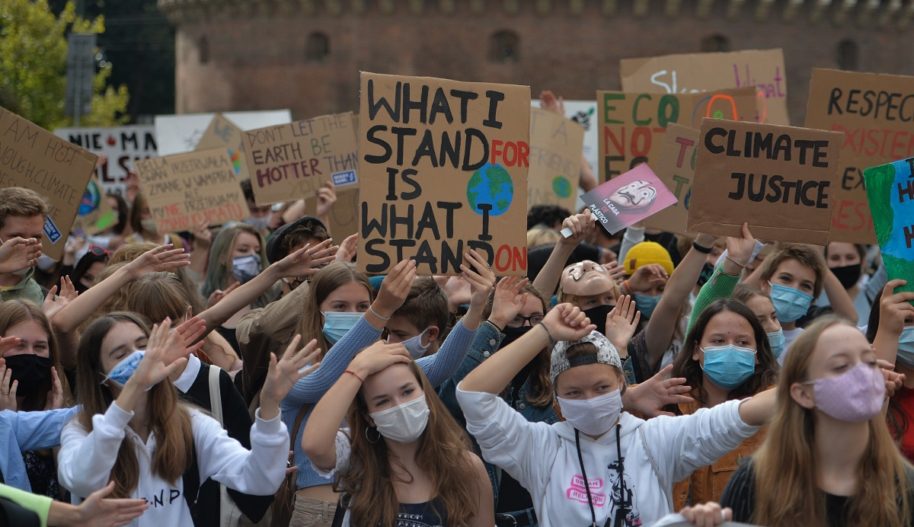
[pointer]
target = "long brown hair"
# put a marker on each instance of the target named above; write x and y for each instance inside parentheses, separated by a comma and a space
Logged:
(324, 282)
(369, 479)
(786, 493)
(766, 370)
(158, 295)
(14, 312)
(168, 420)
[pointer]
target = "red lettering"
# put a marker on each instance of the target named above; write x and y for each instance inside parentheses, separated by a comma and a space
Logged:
(511, 152)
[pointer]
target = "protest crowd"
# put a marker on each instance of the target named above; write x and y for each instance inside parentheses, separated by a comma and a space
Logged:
(696, 340)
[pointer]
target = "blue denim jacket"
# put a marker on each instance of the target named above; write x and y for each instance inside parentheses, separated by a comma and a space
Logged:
(487, 341)
(24, 431)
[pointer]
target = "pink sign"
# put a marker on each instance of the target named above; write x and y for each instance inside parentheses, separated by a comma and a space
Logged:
(628, 199)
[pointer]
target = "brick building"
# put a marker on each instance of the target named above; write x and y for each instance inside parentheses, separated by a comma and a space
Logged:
(306, 54)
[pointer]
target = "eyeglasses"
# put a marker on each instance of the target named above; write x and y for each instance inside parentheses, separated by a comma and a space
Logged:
(520, 321)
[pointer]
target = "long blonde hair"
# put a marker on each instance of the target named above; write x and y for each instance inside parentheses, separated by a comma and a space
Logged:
(786, 492)
(324, 282)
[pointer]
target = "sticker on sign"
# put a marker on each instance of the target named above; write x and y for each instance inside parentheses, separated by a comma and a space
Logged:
(344, 178)
(51, 230)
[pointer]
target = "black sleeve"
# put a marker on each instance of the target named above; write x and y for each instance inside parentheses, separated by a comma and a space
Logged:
(740, 493)
(637, 352)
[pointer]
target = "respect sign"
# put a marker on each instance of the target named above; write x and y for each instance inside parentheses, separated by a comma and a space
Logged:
(443, 169)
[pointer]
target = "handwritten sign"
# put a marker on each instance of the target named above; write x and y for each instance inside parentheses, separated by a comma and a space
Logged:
(121, 145)
(631, 124)
(875, 113)
(223, 133)
(34, 158)
(777, 178)
(292, 161)
(555, 160)
(585, 114)
(185, 190)
(675, 166)
(177, 134)
(443, 168)
(696, 72)
(95, 214)
(628, 199)
(890, 191)
(344, 215)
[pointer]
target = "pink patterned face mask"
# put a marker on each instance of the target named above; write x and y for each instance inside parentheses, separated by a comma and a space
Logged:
(855, 395)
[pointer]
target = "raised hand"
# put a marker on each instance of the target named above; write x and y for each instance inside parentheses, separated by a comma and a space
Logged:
(551, 103)
(622, 322)
(581, 225)
(740, 249)
(186, 339)
(615, 270)
(394, 289)
(706, 514)
(54, 302)
(480, 277)
(378, 357)
(348, 249)
(649, 397)
(99, 511)
(18, 253)
(508, 300)
(161, 347)
(567, 322)
(216, 296)
(55, 394)
(283, 373)
(893, 379)
(203, 237)
(161, 259)
(8, 386)
(895, 308)
(326, 197)
(307, 260)
(647, 277)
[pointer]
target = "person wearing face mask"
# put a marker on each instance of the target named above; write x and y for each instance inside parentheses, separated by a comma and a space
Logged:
(421, 323)
(132, 429)
(839, 466)
(340, 294)
(144, 227)
(601, 465)
(398, 431)
(764, 312)
(726, 356)
(22, 217)
(847, 261)
(651, 255)
(891, 330)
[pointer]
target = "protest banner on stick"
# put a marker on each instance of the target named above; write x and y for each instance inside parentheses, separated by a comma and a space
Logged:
(443, 169)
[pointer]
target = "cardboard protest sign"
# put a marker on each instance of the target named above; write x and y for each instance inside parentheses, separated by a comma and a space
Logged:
(695, 72)
(555, 160)
(177, 134)
(344, 215)
(628, 199)
(223, 133)
(631, 124)
(875, 114)
(585, 114)
(292, 161)
(121, 145)
(95, 214)
(675, 166)
(34, 158)
(779, 179)
(443, 169)
(185, 190)
(890, 191)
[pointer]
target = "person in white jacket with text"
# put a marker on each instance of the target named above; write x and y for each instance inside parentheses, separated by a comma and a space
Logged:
(133, 430)
(601, 466)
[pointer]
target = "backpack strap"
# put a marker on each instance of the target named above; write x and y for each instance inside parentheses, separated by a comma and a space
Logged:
(191, 480)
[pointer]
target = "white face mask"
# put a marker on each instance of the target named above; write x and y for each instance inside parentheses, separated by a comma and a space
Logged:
(593, 416)
(149, 225)
(404, 423)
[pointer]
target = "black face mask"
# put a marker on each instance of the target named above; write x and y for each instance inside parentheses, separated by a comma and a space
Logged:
(848, 275)
(32, 372)
(512, 334)
(706, 271)
(597, 315)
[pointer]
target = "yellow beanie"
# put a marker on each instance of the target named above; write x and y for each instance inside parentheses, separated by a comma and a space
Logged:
(646, 253)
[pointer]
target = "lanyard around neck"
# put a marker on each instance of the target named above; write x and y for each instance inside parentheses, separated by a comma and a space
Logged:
(621, 508)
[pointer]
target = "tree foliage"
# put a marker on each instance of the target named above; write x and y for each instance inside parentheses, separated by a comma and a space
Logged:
(33, 65)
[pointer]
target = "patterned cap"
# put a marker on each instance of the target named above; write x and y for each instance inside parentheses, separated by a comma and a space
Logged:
(606, 354)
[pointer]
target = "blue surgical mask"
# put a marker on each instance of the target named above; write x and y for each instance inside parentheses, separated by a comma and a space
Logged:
(123, 370)
(244, 268)
(729, 366)
(790, 304)
(646, 304)
(415, 347)
(906, 347)
(337, 324)
(776, 340)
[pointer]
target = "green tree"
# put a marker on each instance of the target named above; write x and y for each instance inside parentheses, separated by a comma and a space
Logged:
(33, 63)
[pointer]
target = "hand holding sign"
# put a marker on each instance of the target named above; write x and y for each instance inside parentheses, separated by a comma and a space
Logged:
(628, 199)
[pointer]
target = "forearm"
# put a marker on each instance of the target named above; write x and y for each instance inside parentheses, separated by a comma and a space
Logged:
(83, 306)
(633, 236)
(494, 374)
(294, 212)
(318, 440)
(40, 505)
(440, 366)
(720, 285)
(548, 278)
(588, 179)
(662, 325)
(62, 513)
(758, 409)
(239, 298)
(840, 301)
(886, 344)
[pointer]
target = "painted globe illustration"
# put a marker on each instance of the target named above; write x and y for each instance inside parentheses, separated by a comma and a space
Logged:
(561, 186)
(91, 199)
(490, 185)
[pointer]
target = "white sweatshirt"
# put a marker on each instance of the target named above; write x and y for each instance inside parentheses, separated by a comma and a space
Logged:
(86, 459)
(656, 453)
